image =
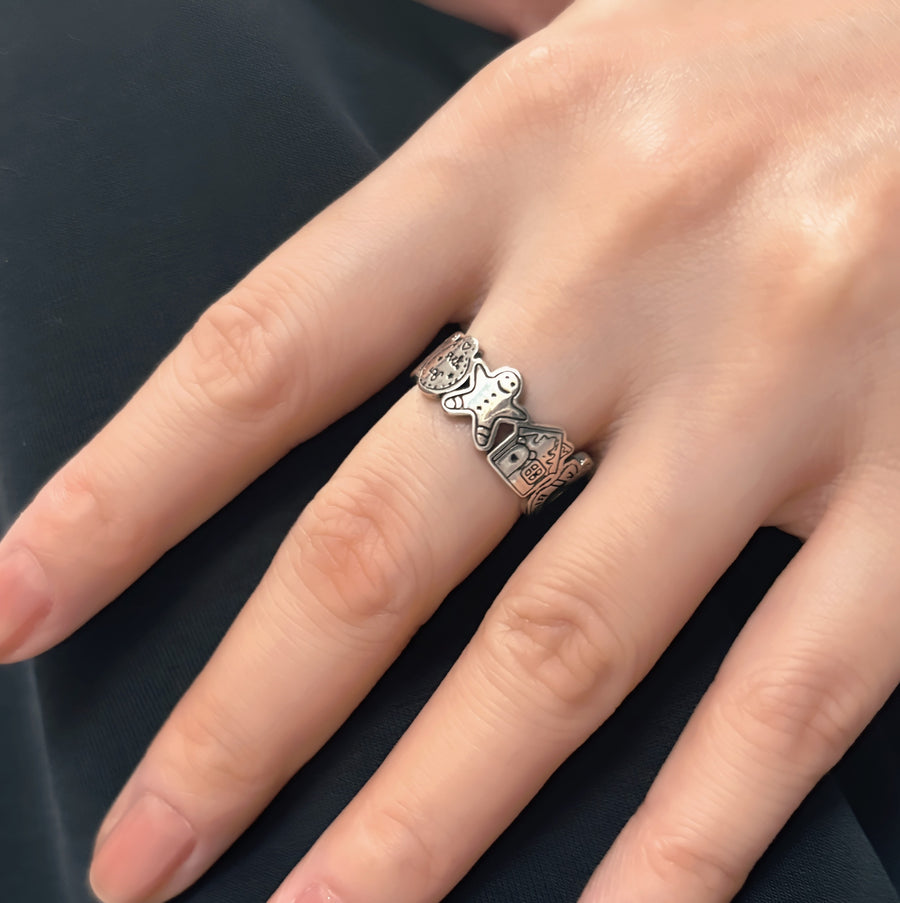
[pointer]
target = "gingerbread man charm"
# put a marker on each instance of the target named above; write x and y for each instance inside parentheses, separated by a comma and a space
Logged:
(489, 398)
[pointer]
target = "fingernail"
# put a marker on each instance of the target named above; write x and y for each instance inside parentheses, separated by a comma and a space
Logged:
(24, 598)
(141, 852)
(110, 820)
(316, 894)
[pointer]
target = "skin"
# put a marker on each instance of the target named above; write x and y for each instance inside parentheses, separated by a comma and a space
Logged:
(516, 18)
(697, 209)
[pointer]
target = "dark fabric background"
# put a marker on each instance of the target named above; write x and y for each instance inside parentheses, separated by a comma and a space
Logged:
(151, 151)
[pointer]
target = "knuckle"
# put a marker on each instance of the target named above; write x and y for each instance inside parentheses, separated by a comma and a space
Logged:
(539, 82)
(685, 860)
(682, 173)
(561, 636)
(74, 503)
(831, 271)
(396, 835)
(356, 546)
(804, 296)
(241, 355)
(205, 745)
(804, 713)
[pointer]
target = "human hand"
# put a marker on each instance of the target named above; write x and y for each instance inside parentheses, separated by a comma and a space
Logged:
(678, 225)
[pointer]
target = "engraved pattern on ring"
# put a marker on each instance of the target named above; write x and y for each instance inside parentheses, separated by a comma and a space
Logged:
(536, 461)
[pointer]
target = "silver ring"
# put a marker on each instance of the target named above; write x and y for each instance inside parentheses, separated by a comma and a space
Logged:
(536, 461)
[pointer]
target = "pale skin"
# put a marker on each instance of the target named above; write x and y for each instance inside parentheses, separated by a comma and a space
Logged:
(680, 223)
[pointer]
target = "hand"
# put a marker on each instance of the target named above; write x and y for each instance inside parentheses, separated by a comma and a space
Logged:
(681, 227)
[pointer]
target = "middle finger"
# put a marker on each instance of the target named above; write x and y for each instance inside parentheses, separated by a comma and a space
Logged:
(575, 627)
(405, 517)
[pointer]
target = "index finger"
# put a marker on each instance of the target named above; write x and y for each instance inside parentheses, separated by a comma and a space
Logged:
(318, 326)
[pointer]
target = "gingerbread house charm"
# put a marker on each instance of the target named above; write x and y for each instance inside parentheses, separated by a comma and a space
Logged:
(530, 456)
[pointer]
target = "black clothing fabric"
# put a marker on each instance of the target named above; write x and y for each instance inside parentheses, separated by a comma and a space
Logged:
(151, 152)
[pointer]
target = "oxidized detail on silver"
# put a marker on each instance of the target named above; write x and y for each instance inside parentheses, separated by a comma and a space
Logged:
(536, 461)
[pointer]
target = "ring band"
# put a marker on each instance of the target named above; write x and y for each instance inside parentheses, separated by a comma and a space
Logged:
(536, 461)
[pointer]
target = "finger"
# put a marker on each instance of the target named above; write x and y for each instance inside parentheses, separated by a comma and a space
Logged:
(369, 558)
(570, 634)
(405, 517)
(317, 327)
(810, 669)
